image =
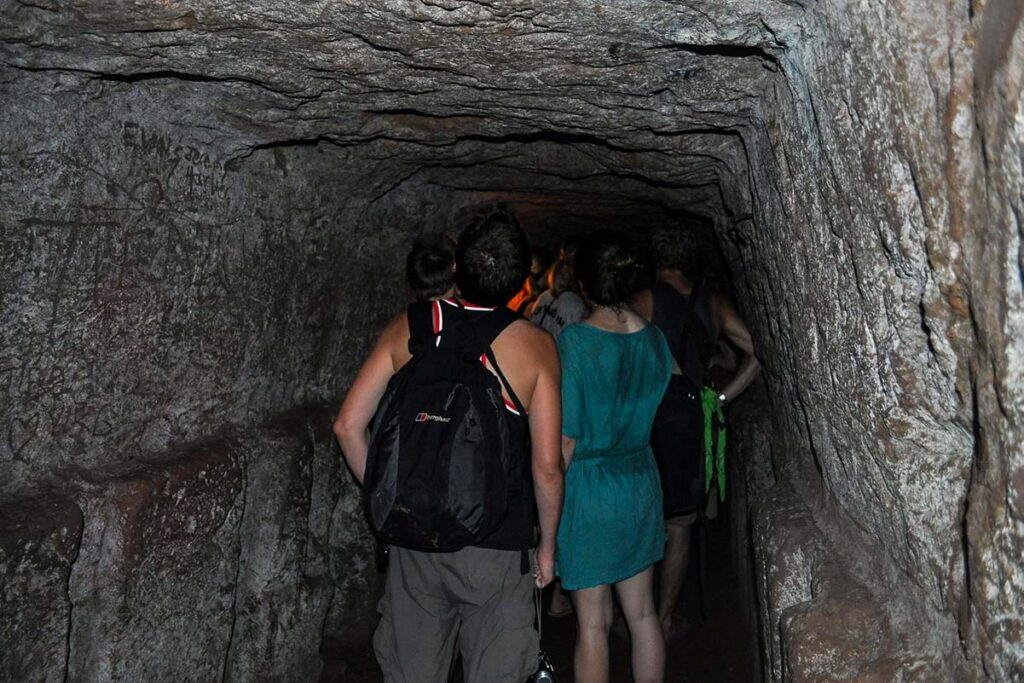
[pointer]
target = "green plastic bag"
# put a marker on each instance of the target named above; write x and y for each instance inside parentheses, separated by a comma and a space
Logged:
(714, 448)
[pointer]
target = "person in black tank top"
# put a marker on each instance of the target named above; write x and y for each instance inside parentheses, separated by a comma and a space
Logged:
(693, 319)
(481, 595)
(680, 418)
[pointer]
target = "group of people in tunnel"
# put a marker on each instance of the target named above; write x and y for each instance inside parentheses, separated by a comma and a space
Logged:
(605, 361)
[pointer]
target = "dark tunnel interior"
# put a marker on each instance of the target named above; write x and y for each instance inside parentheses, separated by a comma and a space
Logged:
(204, 213)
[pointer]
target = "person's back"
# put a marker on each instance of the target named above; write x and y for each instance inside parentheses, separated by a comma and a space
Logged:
(693, 318)
(561, 305)
(483, 592)
(515, 349)
(620, 381)
(555, 313)
(615, 367)
(687, 321)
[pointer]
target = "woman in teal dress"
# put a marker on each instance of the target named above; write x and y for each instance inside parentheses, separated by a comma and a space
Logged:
(615, 368)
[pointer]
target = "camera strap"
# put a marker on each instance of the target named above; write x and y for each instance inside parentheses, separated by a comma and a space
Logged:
(545, 673)
(536, 604)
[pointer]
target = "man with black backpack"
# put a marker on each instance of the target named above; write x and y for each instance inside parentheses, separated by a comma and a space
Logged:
(461, 464)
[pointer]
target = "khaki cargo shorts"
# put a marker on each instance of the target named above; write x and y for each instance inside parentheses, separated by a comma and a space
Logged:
(475, 596)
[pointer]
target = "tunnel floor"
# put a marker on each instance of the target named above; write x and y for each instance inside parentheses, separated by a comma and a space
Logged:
(719, 649)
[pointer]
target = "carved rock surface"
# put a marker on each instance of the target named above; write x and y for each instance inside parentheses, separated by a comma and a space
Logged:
(205, 209)
(295, 564)
(38, 543)
(280, 586)
(153, 585)
(830, 613)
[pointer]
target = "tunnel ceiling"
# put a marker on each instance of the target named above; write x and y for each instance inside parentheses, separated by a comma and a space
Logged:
(641, 100)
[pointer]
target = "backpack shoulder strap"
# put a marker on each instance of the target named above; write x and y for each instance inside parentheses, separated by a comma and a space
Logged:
(421, 325)
(505, 383)
(489, 326)
(487, 329)
(695, 329)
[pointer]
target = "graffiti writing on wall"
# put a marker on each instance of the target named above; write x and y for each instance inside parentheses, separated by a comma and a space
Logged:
(184, 169)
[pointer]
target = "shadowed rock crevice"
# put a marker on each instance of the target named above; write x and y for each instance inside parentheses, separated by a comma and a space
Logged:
(205, 213)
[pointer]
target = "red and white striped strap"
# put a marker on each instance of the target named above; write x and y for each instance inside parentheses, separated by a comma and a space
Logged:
(508, 404)
(438, 319)
(468, 306)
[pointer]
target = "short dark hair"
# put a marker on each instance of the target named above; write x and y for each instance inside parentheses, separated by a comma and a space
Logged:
(609, 269)
(492, 258)
(674, 248)
(428, 267)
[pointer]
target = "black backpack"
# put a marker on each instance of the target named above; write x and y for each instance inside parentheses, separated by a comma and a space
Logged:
(442, 459)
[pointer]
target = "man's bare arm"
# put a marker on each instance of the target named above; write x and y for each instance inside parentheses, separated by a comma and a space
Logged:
(735, 330)
(363, 396)
(546, 458)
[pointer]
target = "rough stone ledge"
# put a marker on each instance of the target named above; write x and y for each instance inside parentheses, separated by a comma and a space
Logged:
(819, 622)
(39, 541)
(296, 564)
(154, 584)
(235, 558)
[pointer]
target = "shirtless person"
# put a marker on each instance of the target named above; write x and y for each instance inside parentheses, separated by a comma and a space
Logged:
(479, 592)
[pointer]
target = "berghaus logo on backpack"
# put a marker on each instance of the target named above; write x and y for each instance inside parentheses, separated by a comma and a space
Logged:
(427, 417)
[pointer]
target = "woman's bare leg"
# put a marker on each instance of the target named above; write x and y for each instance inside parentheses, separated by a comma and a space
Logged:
(636, 595)
(673, 571)
(560, 604)
(594, 618)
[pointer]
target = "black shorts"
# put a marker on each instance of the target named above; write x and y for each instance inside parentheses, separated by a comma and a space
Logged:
(677, 439)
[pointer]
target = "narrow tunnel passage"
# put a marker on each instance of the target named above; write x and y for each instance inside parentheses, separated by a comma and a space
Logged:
(203, 211)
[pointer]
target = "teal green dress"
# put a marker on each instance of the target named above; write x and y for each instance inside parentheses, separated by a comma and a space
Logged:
(612, 525)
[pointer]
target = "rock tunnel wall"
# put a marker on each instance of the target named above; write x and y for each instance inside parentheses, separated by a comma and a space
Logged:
(887, 175)
(201, 214)
(174, 321)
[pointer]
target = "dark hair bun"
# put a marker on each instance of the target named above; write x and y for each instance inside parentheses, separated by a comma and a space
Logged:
(609, 268)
